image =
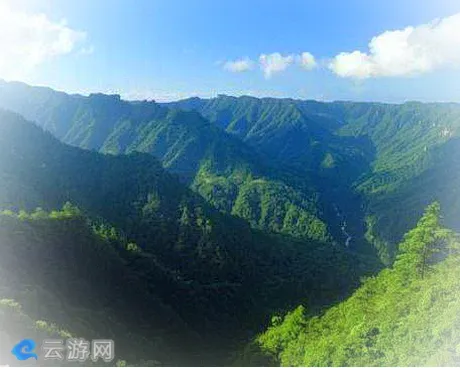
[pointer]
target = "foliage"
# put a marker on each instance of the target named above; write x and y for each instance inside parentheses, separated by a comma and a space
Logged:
(396, 318)
(136, 238)
(266, 204)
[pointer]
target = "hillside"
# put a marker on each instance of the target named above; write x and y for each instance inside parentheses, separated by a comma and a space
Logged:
(224, 170)
(184, 255)
(193, 211)
(377, 163)
(229, 183)
(73, 281)
(405, 316)
(304, 146)
(415, 164)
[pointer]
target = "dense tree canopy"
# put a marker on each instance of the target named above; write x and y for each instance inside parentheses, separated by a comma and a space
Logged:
(404, 316)
(137, 232)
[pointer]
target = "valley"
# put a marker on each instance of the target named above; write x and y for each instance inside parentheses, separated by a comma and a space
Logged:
(221, 214)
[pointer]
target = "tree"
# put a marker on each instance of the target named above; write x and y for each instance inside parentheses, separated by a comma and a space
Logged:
(71, 210)
(422, 243)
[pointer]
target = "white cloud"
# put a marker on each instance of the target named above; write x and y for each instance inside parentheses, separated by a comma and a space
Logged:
(409, 51)
(307, 61)
(274, 63)
(240, 65)
(28, 40)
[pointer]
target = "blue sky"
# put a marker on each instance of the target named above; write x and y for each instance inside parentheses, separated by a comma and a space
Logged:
(170, 49)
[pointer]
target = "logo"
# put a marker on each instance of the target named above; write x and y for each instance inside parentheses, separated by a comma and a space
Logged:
(72, 350)
(24, 350)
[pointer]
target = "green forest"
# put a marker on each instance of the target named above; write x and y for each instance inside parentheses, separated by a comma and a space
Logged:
(231, 230)
(407, 315)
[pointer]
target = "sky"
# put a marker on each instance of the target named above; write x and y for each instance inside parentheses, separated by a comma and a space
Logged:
(363, 50)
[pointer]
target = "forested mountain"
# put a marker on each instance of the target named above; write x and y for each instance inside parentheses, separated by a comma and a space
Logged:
(225, 171)
(297, 167)
(304, 145)
(139, 240)
(415, 163)
(390, 160)
(73, 280)
(405, 316)
(301, 168)
(220, 213)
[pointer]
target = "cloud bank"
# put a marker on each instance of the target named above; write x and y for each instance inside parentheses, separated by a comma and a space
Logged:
(413, 50)
(28, 40)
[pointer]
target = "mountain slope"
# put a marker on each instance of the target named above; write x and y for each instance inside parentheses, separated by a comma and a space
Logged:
(415, 163)
(405, 316)
(341, 170)
(63, 272)
(304, 146)
(219, 278)
(218, 166)
(283, 130)
(369, 160)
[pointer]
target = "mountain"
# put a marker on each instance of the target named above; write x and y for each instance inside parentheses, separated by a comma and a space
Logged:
(313, 170)
(302, 143)
(378, 163)
(62, 279)
(137, 239)
(224, 170)
(207, 217)
(405, 316)
(415, 164)
(282, 129)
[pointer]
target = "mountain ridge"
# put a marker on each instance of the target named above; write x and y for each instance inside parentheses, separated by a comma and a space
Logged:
(344, 159)
(181, 253)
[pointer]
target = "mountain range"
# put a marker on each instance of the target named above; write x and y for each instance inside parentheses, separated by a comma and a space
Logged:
(178, 229)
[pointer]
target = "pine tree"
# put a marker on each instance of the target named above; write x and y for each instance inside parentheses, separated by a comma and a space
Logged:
(421, 244)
